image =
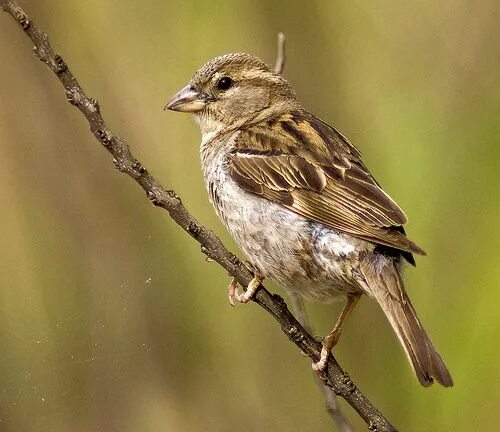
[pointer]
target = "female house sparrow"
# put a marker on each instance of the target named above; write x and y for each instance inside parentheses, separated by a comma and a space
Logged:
(297, 198)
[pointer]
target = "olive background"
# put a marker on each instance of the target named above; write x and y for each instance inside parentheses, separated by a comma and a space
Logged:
(110, 318)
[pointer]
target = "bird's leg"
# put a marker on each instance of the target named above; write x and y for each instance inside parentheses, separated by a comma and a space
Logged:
(332, 338)
(244, 297)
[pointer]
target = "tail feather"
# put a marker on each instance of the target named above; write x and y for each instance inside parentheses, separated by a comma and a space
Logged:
(386, 286)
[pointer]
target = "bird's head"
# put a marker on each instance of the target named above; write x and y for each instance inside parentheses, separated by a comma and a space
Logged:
(233, 90)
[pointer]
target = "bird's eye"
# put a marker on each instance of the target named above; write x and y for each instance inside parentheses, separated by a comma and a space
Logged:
(224, 83)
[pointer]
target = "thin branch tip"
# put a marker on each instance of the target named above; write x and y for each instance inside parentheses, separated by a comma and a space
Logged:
(281, 55)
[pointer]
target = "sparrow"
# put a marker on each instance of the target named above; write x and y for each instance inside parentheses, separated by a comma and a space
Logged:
(300, 203)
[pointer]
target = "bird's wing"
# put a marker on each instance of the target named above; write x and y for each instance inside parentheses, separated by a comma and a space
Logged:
(307, 166)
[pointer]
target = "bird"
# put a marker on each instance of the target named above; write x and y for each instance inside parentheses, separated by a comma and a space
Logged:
(299, 201)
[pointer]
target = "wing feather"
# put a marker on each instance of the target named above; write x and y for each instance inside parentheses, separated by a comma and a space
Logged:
(310, 168)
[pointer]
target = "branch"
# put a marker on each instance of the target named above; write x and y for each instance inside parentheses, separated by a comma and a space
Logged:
(331, 401)
(167, 199)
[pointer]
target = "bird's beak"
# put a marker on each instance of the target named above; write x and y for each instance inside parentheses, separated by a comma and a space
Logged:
(187, 100)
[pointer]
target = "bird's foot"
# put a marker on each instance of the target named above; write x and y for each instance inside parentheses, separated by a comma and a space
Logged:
(232, 290)
(234, 294)
(333, 337)
(327, 345)
(320, 366)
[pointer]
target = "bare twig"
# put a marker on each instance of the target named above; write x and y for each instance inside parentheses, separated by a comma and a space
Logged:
(333, 408)
(211, 246)
(281, 57)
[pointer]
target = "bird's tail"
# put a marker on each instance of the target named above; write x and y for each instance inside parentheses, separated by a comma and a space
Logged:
(386, 285)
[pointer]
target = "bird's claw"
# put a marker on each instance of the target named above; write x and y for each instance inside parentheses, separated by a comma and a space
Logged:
(320, 366)
(232, 291)
(234, 294)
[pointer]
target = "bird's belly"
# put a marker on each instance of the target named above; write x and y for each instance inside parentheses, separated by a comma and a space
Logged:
(305, 257)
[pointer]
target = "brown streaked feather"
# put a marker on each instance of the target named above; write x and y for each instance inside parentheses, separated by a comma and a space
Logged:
(310, 168)
(387, 288)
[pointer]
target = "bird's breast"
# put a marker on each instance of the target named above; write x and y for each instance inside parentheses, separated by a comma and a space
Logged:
(300, 254)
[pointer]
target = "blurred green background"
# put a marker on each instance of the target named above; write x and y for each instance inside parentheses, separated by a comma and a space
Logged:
(111, 320)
